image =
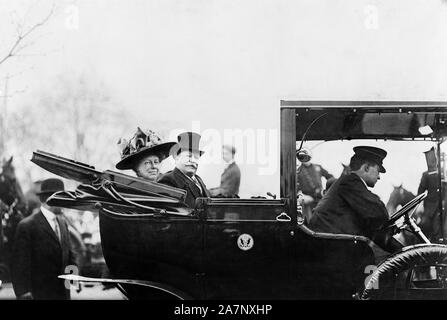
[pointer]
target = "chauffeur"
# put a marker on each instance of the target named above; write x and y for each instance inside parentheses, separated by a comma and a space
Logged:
(349, 207)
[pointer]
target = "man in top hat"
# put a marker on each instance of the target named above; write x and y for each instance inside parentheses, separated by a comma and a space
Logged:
(348, 207)
(42, 250)
(144, 154)
(186, 154)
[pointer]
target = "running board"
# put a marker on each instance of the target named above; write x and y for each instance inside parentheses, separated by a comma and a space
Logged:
(150, 284)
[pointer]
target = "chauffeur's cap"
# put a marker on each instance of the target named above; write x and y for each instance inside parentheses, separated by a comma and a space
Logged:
(373, 154)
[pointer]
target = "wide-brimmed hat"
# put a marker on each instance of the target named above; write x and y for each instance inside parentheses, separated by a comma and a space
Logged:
(187, 141)
(50, 186)
(373, 154)
(142, 144)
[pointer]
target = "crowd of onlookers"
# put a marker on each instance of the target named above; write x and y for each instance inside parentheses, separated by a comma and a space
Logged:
(85, 226)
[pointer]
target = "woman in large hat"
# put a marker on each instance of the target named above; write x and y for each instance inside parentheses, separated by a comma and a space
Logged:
(143, 153)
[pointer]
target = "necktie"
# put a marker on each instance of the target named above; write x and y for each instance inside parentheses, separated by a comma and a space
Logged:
(57, 230)
(197, 183)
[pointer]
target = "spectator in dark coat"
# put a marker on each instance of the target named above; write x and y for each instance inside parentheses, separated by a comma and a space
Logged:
(349, 207)
(186, 154)
(430, 182)
(309, 182)
(230, 179)
(42, 251)
(430, 219)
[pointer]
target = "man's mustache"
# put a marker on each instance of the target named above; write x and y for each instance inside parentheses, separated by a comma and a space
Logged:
(192, 164)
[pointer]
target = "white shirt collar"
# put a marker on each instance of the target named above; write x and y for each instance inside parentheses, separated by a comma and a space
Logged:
(47, 213)
(50, 216)
(192, 178)
(229, 163)
(363, 182)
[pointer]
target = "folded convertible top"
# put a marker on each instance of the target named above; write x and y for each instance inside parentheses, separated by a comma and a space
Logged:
(108, 185)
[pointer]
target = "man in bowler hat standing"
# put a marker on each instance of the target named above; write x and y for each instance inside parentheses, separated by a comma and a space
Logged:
(186, 154)
(349, 207)
(42, 250)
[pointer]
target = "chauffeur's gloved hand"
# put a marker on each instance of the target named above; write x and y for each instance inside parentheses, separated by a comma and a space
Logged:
(399, 224)
(385, 240)
(307, 199)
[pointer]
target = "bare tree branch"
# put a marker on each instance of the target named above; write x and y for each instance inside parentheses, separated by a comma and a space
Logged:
(31, 55)
(16, 92)
(24, 46)
(19, 29)
(15, 48)
(19, 73)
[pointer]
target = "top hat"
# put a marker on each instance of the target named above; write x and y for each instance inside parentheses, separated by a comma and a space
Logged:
(142, 144)
(188, 141)
(373, 154)
(50, 186)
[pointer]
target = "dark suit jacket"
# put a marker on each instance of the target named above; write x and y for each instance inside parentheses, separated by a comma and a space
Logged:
(229, 182)
(350, 208)
(308, 180)
(177, 179)
(39, 258)
(430, 182)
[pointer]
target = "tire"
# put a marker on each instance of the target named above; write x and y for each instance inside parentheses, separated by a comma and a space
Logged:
(392, 278)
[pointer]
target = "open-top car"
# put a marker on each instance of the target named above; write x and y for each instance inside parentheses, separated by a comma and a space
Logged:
(230, 248)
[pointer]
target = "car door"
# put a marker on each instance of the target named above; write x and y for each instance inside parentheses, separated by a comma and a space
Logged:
(248, 249)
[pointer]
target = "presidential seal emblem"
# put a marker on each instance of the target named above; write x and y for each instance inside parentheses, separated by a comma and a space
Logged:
(245, 242)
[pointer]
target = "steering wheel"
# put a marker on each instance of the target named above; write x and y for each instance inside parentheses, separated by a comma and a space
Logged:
(410, 205)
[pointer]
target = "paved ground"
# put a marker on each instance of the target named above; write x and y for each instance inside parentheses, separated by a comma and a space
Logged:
(95, 292)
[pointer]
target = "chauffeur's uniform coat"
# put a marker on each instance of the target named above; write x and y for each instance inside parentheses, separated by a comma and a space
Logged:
(349, 207)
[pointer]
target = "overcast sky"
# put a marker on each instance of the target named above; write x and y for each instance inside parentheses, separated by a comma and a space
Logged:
(226, 64)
